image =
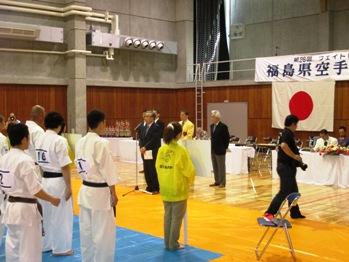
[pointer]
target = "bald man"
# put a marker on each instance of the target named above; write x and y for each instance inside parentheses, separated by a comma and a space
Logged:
(37, 116)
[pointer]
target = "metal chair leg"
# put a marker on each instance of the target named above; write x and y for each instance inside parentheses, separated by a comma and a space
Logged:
(260, 254)
(290, 244)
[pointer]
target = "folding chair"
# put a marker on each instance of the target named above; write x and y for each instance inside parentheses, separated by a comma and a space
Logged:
(279, 222)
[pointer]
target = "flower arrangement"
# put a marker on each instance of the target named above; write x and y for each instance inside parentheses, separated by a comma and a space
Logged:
(334, 150)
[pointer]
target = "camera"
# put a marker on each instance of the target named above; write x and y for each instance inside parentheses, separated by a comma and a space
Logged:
(302, 165)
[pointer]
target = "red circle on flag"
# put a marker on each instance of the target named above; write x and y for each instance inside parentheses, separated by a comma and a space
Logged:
(301, 105)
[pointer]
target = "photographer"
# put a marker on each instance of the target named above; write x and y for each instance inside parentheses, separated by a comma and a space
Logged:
(287, 162)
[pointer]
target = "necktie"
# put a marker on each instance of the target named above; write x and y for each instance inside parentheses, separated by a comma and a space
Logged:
(214, 128)
(325, 144)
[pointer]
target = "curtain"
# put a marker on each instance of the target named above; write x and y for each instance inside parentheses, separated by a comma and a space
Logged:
(210, 38)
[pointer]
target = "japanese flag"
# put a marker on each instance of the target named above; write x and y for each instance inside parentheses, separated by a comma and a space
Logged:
(312, 102)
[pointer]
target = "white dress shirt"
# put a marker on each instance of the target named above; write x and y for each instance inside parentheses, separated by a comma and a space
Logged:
(4, 148)
(19, 179)
(35, 132)
(52, 152)
(95, 164)
(320, 143)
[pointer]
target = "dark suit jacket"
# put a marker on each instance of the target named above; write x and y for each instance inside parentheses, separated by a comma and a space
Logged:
(139, 128)
(151, 140)
(161, 125)
(219, 139)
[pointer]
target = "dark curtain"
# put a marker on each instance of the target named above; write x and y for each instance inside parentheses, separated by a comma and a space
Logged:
(210, 42)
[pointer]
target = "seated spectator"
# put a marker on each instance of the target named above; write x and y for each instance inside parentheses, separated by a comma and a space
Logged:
(325, 140)
(343, 139)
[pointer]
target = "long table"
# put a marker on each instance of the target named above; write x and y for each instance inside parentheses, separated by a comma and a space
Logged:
(114, 144)
(129, 151)
(323, 170)
(236, 158)
(200, 153)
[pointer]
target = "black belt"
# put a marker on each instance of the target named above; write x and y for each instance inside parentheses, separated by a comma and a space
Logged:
(51, 175)
(93, 184)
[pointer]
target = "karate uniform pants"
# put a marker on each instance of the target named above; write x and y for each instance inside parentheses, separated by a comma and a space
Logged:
(2, 210)
(58, 221)
(23, 243)
(174, 214)
(97, 235)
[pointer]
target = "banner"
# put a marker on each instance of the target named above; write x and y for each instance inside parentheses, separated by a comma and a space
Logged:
(312, 102)
(308, 67)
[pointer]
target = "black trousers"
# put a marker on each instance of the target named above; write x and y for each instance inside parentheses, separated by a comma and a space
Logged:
(151, 177)
(288, 185)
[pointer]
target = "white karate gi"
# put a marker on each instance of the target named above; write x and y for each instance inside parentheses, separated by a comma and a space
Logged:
(52, 155)
(23, 220)
(97, 223)
(4, 148)
(35, 132)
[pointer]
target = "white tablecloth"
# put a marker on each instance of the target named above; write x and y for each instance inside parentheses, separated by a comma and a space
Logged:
(114, 144)
(322, 170)
(236, 159)
(128, 149)
(199, 151)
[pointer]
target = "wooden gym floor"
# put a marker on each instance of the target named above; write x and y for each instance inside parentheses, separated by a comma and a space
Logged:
(224, 220)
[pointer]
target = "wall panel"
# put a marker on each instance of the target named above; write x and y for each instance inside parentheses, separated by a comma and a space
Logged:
(128, 103)
(20, 98)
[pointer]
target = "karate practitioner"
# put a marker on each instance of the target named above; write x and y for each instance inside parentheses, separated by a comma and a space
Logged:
(52, 156)
(22, 216)
(4, 148)
(97, 198)
(37, 116)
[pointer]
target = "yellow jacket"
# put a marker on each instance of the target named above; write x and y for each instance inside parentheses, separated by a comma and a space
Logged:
(188, 129)
(176, 172)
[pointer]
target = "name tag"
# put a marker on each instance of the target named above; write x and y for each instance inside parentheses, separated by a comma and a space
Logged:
(83, 167)
(148, 155)
(6, 181)
(42, 156)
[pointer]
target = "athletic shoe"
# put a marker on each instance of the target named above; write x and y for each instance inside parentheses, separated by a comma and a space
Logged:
(268, 217)
(297, 216)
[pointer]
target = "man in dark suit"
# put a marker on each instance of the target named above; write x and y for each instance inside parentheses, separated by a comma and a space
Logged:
(159, 122)
(219, 145)
(149, 144)
(139, 128)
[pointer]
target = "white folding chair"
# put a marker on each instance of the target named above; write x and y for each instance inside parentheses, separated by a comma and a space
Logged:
(279, 222)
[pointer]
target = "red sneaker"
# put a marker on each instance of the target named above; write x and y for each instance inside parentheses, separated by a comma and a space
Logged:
(268, 217)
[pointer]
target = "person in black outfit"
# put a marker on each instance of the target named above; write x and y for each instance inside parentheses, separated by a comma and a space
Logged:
(139, 128)
(219, 145)
(159, 122)
(287, 161)
(150, 139)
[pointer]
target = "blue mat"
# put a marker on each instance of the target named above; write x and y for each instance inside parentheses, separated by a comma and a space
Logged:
(133, 246)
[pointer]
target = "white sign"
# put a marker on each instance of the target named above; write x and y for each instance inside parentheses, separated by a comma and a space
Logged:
(308, 67)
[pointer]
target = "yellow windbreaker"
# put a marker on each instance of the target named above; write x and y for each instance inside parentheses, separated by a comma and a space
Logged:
(176, 172)
(188, 129)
